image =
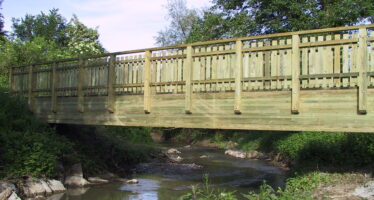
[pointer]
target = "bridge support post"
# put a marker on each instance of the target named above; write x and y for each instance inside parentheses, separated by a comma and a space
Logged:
(147, 80)
(81, 78)
(188, 78)
(295, 67)
(238, 76)
(362, 63)
(31, 86)
(54, 83)
(111, 81)
(11, 80)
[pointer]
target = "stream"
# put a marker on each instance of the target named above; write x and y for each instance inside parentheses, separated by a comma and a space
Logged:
(161, 181)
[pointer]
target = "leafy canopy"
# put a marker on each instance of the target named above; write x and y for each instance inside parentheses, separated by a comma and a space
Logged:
(181, 21)
(235, 18)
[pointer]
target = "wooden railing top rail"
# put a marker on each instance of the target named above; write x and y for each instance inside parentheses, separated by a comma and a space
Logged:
(314, 31)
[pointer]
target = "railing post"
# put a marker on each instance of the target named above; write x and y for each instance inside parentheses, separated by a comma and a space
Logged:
(111, 81)
(238, 76)
(53, 88)
(31, 83)
(147, 80)
(295, 67)
(362, 63)
(80, 93)
(11, 80)
(188, 77)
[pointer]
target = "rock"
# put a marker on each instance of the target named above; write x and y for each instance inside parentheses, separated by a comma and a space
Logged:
(175, 158)
(75, 178)
(203, 156)
(236, 153)
(33, 188)
(253, 154)
(231, 145)
(5, 194)
(173, 151)
(5, 185)
(76, 181)
(13, 196)
(187, 146)
(56, 186)
(97, 180)
(366, 191)
(132, 181)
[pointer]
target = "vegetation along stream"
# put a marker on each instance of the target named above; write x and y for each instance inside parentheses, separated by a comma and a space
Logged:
(160, 180)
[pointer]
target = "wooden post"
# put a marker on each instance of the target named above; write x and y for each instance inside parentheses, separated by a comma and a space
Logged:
(188, 78)
(295, 67)
(147, 80)
(54, 83)
(111, 81)
(31, 84)
(81, 74)
(238, 76)
(11, 80)
(362, 64)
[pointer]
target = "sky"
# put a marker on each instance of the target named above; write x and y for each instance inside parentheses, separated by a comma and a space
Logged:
(122, 24)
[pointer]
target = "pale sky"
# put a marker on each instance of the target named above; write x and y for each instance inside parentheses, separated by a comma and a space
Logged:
(122, 24)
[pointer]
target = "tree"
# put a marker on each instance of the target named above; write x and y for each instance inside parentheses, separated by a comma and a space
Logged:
(291, 15)
(45, 37)
(50, 26)
(81, 39)
(254, 17)
(181, 21)
(2, 32)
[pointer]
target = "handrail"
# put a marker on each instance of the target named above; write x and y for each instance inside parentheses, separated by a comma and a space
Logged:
(285, 34)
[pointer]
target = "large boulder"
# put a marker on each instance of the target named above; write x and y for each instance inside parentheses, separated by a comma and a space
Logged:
(56, 186)
(236, 153)
(74, 177)
(34, 188)
(8, 191)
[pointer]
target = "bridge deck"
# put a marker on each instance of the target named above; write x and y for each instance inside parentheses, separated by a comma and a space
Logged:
(318, 80)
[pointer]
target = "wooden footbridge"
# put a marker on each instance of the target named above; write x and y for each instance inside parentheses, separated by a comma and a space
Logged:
(317, 80)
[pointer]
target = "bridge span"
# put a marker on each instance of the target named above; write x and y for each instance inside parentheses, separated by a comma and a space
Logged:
(316, 80)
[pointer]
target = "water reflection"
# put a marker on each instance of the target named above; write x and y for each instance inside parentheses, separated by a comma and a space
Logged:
(164, 182)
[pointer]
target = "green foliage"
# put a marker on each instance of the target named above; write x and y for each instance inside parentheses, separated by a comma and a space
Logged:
(299, 187)
(28, 146)
(2, 33)
(207, 192)
(235, 18)
(51, 26)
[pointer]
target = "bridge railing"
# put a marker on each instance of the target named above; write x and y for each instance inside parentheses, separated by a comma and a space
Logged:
(329, 58)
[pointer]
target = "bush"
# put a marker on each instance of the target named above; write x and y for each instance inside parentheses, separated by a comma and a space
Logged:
(28, 146)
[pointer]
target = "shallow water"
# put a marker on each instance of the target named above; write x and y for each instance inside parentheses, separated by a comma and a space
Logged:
(163, 182)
